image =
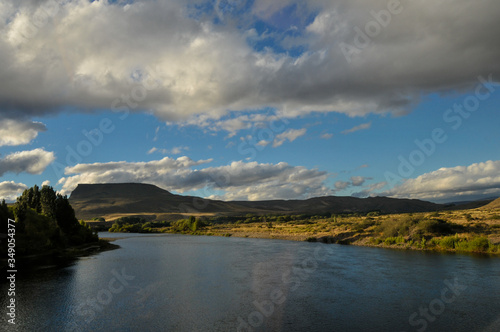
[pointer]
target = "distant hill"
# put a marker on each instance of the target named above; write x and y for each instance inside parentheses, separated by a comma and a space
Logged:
(493, 205)
(467, 205)
(96, 200)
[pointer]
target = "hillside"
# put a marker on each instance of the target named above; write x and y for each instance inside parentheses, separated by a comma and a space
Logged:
(493, 205)
(97, 200)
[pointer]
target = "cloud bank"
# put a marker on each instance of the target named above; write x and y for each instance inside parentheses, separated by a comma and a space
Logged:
(461, 182)
(236, 181)
(180, 61)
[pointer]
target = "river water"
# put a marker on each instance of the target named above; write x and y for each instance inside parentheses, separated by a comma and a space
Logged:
(197, 283)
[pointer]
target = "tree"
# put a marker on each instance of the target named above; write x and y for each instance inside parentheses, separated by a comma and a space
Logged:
(5, 214)
(48, 201)
(31, 197)
(20, 212)
(65, 215)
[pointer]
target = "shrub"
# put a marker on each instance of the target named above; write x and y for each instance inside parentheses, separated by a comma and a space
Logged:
(479, 244)
(375, 241)
(394, 240)
(435, 227)
(397, 227)
(468, 217)
(448, 242)
(360, 226)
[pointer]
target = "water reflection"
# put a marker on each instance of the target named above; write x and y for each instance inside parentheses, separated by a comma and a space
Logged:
(186, 283)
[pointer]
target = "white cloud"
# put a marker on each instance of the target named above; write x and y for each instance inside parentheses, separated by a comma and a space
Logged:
(238, 180)
(19, 132)
(174, 150)
(354, 181)
(93, 52)
(9, 190)
(290, 135)
(363, 126)
(326, 136)
(275, 121)
(46, 183)
(326, 23)
(263, 143)
(33, 162)
(155, 138)
(460, 182)
(340, 185)
(179, 149)
(358, 180)
(370, 190)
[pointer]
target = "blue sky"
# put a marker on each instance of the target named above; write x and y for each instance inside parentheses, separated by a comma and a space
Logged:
(252, 100)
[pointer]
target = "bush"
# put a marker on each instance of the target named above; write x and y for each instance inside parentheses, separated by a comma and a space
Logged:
(397, 227)
(448, 242)
(188, 225)
(362, 225)
(479, 244)
(373, 214)
(394, 240)
(435, 227)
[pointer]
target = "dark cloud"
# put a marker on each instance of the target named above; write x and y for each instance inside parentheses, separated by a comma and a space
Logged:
(88, 55)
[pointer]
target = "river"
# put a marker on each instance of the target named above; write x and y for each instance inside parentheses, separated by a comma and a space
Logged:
(165, 282)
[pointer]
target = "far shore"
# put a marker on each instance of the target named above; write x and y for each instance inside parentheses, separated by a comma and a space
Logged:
(476, 230)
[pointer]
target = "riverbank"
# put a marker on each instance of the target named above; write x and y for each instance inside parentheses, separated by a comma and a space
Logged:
(456, 231)
(57, 257)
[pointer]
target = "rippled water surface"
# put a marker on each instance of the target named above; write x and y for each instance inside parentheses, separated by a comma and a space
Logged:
(189, 283)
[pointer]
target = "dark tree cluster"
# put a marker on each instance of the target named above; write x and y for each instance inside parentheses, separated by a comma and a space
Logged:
(45, 220)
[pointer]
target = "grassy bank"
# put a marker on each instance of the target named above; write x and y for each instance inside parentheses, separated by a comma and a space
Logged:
(460, 231)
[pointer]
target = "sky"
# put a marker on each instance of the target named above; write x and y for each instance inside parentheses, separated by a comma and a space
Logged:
(253, 100)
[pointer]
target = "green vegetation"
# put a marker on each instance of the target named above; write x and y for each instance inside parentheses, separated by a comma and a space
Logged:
(140, 225)
(473, 244)
(188, 225)
(137, 225)
(45, 221)
(462, 231)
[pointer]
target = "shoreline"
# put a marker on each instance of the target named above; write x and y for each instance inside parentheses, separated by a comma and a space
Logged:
(468, 231)
(360, 243)
(325, 239)
(57, 257)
